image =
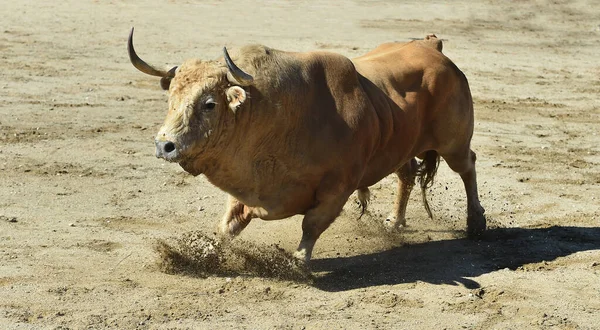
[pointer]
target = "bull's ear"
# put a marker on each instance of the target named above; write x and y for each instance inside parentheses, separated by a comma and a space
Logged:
(236, 96)
(165, 82)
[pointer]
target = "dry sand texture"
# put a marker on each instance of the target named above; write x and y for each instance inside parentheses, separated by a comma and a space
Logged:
(84, 202)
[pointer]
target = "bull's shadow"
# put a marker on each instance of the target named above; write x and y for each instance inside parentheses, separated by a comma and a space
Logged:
(453, 261)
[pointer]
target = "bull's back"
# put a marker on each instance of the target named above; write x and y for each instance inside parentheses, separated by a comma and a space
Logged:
(401, 65)
(430, 41)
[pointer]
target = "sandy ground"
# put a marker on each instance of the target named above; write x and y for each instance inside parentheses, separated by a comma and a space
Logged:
(83, 200)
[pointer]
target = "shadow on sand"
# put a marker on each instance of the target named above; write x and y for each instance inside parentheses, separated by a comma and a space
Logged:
(453, 261)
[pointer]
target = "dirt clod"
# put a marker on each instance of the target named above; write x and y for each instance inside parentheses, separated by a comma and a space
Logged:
(8, 219)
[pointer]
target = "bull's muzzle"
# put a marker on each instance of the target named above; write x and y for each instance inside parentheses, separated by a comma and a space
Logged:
(166, 150)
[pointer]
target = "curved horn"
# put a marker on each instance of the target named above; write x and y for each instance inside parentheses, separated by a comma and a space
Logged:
(240, 76)
(143, 66)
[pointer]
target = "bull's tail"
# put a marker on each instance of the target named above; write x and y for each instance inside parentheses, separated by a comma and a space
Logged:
(426, 171)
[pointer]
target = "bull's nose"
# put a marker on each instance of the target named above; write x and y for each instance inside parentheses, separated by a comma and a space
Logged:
(168, 147)
(166, 150)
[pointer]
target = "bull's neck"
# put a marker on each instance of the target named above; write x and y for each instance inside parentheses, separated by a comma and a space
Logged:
(231, 174)
(227, 165)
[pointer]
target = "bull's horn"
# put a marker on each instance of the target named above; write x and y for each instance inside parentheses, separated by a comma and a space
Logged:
(238, 75)
(143, 66)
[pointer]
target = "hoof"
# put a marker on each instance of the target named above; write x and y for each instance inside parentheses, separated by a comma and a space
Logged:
(225, 235)
(392, 225)
(231, 228)
(302, 256)
(476, 225)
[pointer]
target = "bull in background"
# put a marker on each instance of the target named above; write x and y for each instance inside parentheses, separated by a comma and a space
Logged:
(286, 133)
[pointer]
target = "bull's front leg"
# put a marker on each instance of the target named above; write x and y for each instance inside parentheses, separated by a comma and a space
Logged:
(317, 219)
(237, 216)
(364, 198)
(406, 182)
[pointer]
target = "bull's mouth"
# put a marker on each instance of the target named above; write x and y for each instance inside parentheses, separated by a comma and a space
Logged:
(188, 158)
(174, 155)
(171, 158)
(188, 165)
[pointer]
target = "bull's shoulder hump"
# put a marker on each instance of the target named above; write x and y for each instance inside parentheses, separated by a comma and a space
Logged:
(328, 60)
(255, 54)
(256, 50)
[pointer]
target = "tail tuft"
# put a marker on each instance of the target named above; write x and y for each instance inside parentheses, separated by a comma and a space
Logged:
(426, 171)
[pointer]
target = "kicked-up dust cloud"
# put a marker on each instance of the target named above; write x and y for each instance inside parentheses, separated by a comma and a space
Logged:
(197, 254)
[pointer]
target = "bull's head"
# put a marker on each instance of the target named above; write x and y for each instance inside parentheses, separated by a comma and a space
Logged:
(203, 96)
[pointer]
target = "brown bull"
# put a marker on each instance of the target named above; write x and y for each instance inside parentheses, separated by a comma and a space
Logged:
(298, 133)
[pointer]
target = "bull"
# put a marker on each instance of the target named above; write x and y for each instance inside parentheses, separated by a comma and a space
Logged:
(286, 133)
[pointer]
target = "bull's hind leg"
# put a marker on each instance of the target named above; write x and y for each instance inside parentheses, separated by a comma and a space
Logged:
(406, 182)
(237, 217)
(464, 164)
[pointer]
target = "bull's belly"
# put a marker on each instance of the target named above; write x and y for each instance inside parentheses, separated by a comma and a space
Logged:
(276, 202)
(404, 146)
(373, 177)
(380, 168)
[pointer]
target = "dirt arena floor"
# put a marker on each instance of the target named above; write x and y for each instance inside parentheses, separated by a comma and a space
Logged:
(85, 205)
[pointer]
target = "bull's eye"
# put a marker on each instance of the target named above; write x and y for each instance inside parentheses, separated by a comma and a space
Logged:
(210, 105)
